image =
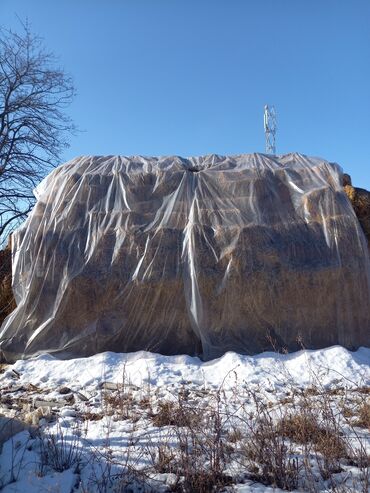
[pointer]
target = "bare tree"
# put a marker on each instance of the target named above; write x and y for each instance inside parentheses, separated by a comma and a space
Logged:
(34, 127)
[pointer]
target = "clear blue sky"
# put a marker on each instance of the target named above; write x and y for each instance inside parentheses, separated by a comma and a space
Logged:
(191, 77)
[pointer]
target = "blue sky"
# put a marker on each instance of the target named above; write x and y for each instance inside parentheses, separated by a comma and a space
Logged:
(191, 77)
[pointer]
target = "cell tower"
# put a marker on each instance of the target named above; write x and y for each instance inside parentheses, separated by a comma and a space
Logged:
(269, 120)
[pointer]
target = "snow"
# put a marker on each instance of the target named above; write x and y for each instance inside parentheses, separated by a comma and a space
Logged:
(333, 364)
(44, 377)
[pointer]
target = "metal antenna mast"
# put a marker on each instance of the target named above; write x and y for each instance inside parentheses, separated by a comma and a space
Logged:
(269, 121)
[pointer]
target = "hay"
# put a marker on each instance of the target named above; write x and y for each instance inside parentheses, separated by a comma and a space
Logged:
(126, 254)
(7, 302)
(360, 200)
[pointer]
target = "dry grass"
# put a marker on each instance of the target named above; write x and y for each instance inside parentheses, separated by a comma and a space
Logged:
(305, 428)
(303, 441)
(363, 416)
(271, 455)
(176, 414)
(235, 435)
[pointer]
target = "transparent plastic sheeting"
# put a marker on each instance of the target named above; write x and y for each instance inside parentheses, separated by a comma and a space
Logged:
(198, 256)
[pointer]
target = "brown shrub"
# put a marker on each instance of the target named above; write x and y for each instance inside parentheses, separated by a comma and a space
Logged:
(7, 301)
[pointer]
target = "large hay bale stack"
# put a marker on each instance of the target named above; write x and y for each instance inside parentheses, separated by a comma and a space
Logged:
(195, 256)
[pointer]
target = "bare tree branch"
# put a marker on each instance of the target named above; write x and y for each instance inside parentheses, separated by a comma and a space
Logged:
(34, 127)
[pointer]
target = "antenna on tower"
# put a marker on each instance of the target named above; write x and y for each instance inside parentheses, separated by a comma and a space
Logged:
(269, 121)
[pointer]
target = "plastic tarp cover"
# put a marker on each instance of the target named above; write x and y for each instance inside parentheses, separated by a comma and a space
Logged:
(198, 256)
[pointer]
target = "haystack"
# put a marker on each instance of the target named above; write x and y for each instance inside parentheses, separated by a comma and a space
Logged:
(196, 256)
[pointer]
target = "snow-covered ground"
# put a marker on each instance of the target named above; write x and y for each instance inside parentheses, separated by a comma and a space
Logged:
(94, 422)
